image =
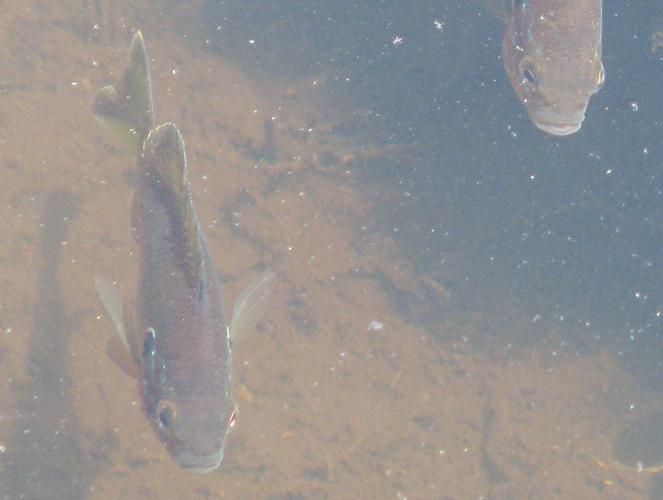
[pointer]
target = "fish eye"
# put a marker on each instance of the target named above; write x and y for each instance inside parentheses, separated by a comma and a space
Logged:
(527, 70)
(529, 75)
(166, 413)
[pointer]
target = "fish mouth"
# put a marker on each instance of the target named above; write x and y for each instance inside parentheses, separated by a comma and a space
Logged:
(559, 129)
(559, 124)
(198, 464)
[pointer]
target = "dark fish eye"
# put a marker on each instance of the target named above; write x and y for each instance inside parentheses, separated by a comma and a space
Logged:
(528, 69)
(528, 75)
(166, 413)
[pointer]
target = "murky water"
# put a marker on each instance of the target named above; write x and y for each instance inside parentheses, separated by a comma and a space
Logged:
(464, 307)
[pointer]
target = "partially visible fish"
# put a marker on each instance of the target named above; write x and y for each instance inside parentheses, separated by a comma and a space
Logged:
(552, 55)
(177, 334)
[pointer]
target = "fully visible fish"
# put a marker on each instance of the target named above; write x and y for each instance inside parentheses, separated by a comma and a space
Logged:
(552, 55)
(175, 330)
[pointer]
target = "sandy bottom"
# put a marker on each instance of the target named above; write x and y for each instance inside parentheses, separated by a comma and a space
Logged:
(339, 396)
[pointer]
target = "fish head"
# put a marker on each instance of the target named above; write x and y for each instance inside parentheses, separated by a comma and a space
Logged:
(195, 440)
(553, 71)
(191, 414)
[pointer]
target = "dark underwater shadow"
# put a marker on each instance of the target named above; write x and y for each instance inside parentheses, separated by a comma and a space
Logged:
(46, 457)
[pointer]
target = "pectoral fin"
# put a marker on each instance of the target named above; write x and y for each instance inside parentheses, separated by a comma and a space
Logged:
(122, 347)
(251, 305)
(122, 358)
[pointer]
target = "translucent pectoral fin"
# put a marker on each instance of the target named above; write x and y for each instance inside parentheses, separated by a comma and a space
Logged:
(122, 348)
(118, 353)
(134, 340)
(251, 305)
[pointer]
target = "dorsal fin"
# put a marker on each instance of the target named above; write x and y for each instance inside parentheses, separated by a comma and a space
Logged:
(164, 157)
(127, 108)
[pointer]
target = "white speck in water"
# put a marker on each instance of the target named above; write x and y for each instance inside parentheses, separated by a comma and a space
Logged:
(375, 325)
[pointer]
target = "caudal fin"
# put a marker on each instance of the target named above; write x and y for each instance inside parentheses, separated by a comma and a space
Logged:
(127, 108)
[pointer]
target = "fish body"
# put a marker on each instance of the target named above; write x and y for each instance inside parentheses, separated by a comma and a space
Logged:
(185, 363)
(175, 329)
(552, 55)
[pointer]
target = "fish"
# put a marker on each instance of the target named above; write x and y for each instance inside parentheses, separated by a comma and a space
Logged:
(174, 330)
(551, 53)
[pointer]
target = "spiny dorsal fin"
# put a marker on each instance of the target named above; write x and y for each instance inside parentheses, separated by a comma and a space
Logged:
(164, 157)
(127, 108)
